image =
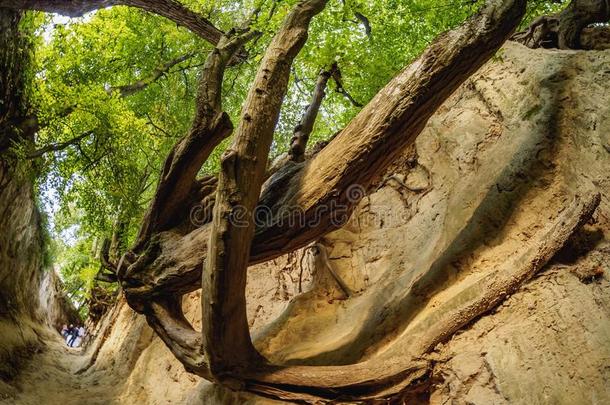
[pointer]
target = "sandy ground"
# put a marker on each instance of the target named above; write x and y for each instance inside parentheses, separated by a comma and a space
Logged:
(50, 378)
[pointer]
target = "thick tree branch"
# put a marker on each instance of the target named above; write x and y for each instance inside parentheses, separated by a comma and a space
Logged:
(105, 256)
(170, 9)
(165, 316)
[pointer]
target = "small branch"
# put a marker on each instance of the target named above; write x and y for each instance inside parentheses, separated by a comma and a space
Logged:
(341, 90)
(32, 124)
(303, 130)
(54, 147)
(365, 22)
(159, 71)
(157, 127)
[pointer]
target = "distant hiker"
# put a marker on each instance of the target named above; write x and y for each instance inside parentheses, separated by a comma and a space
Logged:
(73, 336)
(80, 335)
(69, 334)
(64, 330)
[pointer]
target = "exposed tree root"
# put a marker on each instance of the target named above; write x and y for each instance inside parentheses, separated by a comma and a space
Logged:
(389, 373)
(324, 256)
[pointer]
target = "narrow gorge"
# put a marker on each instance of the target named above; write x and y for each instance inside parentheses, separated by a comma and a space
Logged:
(464, 259)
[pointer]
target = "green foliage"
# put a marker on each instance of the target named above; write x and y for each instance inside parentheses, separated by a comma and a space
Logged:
(111, 173)
(78, 268)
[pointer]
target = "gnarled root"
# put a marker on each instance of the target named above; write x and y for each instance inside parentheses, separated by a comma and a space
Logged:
(563, 30)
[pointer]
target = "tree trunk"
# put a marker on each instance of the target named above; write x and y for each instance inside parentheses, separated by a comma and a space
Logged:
(226, 337)
(170, 9)
(14, 61)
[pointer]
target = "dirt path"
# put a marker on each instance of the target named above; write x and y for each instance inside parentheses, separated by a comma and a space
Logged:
(50, 378)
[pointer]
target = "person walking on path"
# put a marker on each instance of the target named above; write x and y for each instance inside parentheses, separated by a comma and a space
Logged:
(73, 336)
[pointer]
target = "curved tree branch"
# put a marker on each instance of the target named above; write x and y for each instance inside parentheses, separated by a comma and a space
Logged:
(170, 9)
(210, 126)
(54, 147)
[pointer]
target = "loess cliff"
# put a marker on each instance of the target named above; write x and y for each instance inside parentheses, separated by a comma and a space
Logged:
(503, 161)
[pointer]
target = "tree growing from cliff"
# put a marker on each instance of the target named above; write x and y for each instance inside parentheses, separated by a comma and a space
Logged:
(171, 257)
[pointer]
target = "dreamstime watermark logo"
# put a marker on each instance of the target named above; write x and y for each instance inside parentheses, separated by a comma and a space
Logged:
(336, 211)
